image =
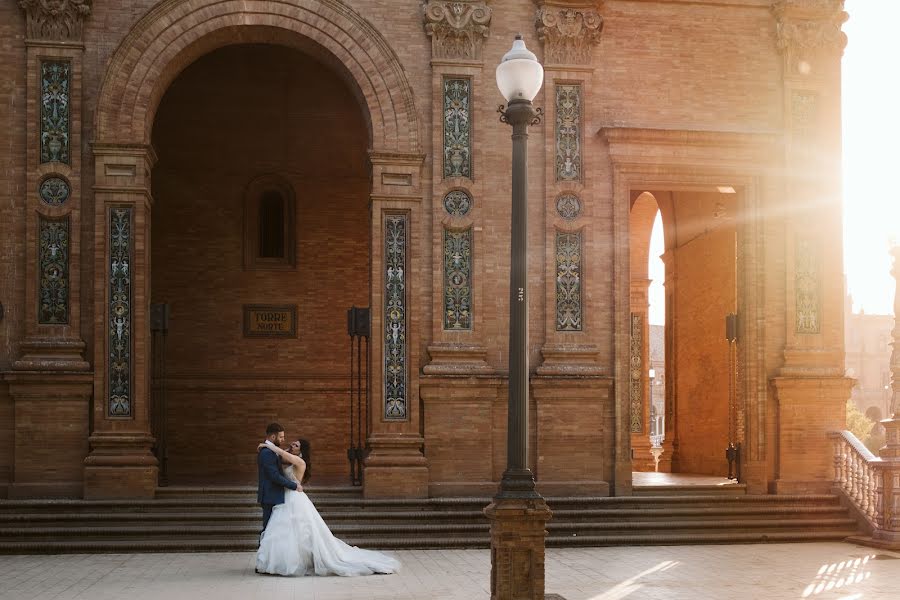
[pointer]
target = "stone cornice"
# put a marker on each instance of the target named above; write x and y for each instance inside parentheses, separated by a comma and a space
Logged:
(145, 151)
(808, 29)
(688, 137)
(380, 157)
(569, 30)
(55, 20)
(457, 28)
(733, 150)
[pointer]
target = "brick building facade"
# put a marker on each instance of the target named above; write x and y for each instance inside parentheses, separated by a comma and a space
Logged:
(259, 167)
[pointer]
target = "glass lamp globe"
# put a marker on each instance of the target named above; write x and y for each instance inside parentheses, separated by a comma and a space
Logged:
(519, 74)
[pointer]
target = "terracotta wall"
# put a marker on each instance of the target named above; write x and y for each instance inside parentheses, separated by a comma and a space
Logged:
(12, 217)
(704, 294)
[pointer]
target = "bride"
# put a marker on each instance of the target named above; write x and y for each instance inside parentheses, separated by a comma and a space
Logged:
(298, 542)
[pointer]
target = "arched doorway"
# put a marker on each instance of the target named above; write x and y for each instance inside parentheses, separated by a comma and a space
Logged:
(165, 42)
(260, 242)
(702, 407)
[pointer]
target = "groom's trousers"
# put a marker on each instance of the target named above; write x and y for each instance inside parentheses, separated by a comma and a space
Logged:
(267, 514)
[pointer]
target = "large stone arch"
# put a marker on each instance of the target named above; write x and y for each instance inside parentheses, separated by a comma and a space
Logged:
(166, 40)
(175, 33)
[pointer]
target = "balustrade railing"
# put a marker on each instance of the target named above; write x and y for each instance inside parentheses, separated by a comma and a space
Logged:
(860, 475)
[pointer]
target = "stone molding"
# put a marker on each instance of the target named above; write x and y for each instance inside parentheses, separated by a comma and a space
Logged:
(457, 29)
(569, 31)
(579, 360)
(653, 149)
(457, 359)
(55, 20)
(808, 30)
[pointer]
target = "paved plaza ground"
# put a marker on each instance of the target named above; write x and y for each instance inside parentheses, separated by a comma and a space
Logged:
(817, 571)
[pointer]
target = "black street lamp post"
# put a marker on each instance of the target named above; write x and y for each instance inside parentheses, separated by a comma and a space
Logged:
(519, 113)
(518, 513)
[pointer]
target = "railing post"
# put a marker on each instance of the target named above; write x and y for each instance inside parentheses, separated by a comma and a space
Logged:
(842, 465)
(836, 459)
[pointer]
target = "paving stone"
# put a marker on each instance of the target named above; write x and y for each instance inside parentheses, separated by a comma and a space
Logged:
(818, 571)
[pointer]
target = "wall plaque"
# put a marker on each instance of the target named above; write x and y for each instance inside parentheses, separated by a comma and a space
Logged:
(270, 320)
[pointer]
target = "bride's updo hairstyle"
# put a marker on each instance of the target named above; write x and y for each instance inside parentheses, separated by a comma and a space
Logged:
(307, 458)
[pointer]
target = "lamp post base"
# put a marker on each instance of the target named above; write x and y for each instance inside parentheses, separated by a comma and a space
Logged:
(518, 529)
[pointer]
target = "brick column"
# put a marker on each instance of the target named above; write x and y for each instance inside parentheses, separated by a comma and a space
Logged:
(811, 389)
(459, 83)
(572, 386)
(396, 465)
(670, 390)
(642, 459)
(458, 383)
(121, 463)
(50, 384)
(572, 330)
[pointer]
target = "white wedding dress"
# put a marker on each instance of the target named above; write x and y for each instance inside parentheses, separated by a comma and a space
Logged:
(298, 542)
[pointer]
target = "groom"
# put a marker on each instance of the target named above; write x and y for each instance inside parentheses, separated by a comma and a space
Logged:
(271, 480)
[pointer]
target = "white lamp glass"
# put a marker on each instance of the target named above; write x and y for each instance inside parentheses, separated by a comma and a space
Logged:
(519, 74)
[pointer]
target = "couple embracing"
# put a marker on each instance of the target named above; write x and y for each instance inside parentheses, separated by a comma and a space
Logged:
(295, 539)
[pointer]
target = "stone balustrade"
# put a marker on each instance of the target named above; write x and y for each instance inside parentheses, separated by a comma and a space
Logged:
(870, 484)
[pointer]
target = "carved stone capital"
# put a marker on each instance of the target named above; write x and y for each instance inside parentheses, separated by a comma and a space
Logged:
(457, 29)
(55, 20)
(809, 31)
(568, 31)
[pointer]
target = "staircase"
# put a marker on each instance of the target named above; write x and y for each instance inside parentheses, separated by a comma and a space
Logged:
(227, 519)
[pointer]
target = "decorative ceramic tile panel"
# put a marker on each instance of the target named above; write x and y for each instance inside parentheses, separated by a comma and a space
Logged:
(458, 279)
(53, 293)
(568, 132)
(568, 206)
(804, 113)
(396, 348)
(568, 281)
(457, 203)
(55, 81)
(54, 191)
(457, 128)
(806, 286)
(120, 302)
(636, 385)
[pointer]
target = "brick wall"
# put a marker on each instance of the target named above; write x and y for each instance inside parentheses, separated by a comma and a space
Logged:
(704, 294)
(12, 217)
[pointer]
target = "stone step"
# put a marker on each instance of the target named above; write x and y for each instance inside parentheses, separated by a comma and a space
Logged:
(729, 489)
(253, 515)
(730, 524)
(701, 512)
(249, 544)
(672, 539)
(223, 521)
(337, 503)
(398, 529)
(174, 491)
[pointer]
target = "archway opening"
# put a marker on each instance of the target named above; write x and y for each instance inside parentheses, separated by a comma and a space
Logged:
(686, 398)
(260, 242)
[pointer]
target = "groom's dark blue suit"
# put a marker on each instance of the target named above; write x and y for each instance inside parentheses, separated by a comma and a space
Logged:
(271, 483)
